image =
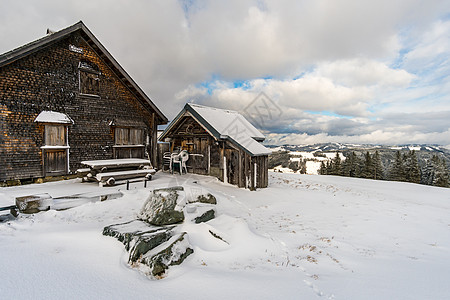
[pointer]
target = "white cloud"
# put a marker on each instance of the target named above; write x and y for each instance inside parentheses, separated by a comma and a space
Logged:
(364, 72)
(362, 59)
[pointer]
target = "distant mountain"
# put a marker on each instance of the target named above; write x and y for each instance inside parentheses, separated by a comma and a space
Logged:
(333, 147)
(387, 153)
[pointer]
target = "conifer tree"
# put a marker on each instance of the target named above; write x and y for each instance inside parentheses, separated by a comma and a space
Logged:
(368, 169)
(302, 166)
(411, 167)
(323, 168)
(397, 171)
(441, 177)
(348, 166)
(337, 167)
(377, 166)
(329, 167)
(429, 173)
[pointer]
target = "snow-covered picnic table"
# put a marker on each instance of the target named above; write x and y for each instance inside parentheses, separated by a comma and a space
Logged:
(116, 163)
(109, 170)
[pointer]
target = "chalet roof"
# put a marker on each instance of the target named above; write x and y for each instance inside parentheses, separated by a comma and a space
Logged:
(93, 42)
(224, 124)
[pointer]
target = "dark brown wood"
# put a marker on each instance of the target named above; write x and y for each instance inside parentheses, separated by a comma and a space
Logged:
(48, 78)
(55, 162)
(220, 158)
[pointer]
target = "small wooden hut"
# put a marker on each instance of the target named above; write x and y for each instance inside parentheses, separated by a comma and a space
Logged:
(221, 143)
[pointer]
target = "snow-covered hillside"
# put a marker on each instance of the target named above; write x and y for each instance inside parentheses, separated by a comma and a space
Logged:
(303, 237)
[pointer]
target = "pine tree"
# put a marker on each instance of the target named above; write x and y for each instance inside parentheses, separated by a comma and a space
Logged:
(411, 167)
(329, 167)
(397, 172)
(368, 168)
(337, 166)
(377, 166)
(429, 173)
(302, 166)
(347, 165)
(323, 168)
(441, 174)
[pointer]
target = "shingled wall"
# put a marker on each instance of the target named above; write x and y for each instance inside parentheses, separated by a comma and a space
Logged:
(49, 80)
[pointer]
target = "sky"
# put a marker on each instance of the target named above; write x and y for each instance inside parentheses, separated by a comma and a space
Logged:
(305, 71)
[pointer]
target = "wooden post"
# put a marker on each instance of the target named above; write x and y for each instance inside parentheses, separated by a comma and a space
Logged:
(255, 165)
(225, 176)
(154, 140)
(209, 159)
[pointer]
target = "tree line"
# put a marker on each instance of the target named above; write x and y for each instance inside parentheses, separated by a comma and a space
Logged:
(404, 167)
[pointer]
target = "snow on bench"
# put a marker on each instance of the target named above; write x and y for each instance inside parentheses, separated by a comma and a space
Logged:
(116, 163)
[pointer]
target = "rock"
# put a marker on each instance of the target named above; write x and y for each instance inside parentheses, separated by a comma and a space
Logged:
(161, 207)
(129, 233)
(171, 253)
(205, 217)
(146, 242)
(34, 203)
(152, 248)
(195, 194)
(208, 198)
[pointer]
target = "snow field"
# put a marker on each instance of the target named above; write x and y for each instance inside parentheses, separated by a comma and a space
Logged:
(303, 237)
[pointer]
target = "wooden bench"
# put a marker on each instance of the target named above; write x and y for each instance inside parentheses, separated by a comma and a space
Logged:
(111, 170)
(110, 178)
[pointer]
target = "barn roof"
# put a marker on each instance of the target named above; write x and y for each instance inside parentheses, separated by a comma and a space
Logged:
(93, 42)
(224, 124)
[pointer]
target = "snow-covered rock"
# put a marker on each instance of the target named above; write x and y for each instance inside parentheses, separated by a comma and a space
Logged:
(130, 232)
(173, 252)
(161, 207)
(151, 249)
(34, 203)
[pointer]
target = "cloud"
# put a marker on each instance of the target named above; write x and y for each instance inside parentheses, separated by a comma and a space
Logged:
(338, 69)
(364, 72)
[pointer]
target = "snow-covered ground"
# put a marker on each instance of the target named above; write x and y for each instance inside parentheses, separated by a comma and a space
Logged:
(304, 237)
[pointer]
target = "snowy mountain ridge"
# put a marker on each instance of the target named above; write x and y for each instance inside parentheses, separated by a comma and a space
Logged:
(342, 147)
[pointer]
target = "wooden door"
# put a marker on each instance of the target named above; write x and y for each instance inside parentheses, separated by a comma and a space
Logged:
(55, 162)
(232, 168)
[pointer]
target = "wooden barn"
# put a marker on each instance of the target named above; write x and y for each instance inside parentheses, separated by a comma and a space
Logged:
(65, 99)
(220, 143)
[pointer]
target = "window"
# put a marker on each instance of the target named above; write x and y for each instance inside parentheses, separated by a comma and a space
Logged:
(129, 136)
(89, 79)
(55, 135)
(129, 142)
(89, 83)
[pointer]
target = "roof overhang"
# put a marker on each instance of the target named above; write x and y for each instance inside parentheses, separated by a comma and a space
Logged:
(53, 117)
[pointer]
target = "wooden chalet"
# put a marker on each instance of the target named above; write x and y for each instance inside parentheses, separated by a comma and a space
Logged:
(64, 99)
(221, 143)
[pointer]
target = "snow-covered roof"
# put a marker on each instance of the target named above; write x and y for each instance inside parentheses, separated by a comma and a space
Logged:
(225, 124)
(53, 117)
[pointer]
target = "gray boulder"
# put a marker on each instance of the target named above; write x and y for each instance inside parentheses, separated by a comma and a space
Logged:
(151, 247)
(161, 207)
(171, 253)
(129, 233)
(207, 198)
(34, 203)
(205, 217)
(146, 242)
